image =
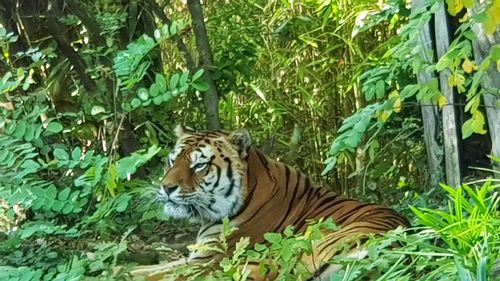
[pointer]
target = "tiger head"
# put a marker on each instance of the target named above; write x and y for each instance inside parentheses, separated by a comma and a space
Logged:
(205, 175)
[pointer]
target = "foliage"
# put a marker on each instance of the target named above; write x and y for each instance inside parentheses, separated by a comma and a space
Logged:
(281, 255)
(51, 182)
(406, 58)
(470, 226)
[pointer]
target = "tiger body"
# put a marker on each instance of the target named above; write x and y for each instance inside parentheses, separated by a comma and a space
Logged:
(212, 175)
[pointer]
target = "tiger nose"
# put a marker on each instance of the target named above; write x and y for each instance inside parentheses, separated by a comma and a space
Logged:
(169, 188)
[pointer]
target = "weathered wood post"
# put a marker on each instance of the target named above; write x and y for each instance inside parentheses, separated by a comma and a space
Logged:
(490, 84)
(450, 133)
(430, 112)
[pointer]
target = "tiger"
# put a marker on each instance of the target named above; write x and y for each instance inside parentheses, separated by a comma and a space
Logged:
(213, 175)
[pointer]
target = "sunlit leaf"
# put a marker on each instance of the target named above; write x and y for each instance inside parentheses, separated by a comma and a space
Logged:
(76, 153)
(200, 85)
(468, 3)
(442, 101)
(29, 135)
(469, 66)
(161, 82)
(54, 127)
(380, 89)
(61, 154)
(454, 6)
(96, 109)
(198, 74)
(64, 194)
(259, 92)
(174, 80)
(489, 24)
(135, 102)
(20, 130)
(143, 94)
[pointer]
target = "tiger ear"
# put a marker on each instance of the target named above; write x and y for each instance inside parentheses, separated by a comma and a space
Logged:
(179, 130)
(241, 140)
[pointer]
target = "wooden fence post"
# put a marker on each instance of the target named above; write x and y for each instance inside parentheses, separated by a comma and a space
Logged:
(429, 111)
(490, 83)
(451, 151)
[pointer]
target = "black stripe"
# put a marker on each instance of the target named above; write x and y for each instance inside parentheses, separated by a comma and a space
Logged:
(342, 218)
(206, 227)
(229, 168)
(291, 203)
(216, 184)
(332, 204)
(230, 189)
(287, 176)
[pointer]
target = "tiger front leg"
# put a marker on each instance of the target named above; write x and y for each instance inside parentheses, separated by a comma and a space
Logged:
(159, 271)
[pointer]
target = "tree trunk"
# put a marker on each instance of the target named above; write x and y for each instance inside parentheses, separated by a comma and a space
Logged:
(62, 43)
(450, 133)
(210, 97)
(429, 111)
(157, 11)
(89, 22)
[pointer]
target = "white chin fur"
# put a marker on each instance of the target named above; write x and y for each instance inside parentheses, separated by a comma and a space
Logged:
(176, 211)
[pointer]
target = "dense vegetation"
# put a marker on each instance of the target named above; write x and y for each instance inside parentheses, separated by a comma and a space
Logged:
(91, 92)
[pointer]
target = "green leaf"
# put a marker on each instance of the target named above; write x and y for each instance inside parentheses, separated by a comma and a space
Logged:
(61, 154)
(175, 92)
(130, 164)
(184, 78)
(96, 109)
(64, 194)
(67, 209)
(11, 127)
(167, 96)
(200, 85)
(135, 103)
(198, 74)
(157, 34)
(76, 153)
(57, 206)
(20, 130)
(174, 28)
(143, 94)
(184, 88)
(51, 192)
(272, 237)
(443, 63)
(54, 127)
(122, 204)
(161, 82)
(29, 135)
(380, 89)
(165, 31)
(3, 155)
(174, 80)
(495, 52)
(158, 100)
(31, 165)
(155, 90)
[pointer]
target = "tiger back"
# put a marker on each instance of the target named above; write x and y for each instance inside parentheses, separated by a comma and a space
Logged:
(213, 175)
